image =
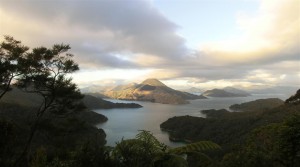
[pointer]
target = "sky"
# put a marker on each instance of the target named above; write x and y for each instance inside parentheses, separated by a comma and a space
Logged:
(185, 43)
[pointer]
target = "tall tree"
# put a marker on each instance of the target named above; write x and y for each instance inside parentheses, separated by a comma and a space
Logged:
(12, 62)
(47, 75)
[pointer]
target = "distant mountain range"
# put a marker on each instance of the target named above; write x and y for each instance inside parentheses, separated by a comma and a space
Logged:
(151, 90)
(226, 92)
(236, 91)
(286, 90)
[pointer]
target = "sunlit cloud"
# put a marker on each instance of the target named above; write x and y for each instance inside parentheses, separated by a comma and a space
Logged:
(132, 40)
(95, 28)
(272, 34)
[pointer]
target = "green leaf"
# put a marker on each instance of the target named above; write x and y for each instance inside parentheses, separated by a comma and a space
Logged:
(195, 147)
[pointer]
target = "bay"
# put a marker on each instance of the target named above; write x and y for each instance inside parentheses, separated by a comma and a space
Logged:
(126, 123)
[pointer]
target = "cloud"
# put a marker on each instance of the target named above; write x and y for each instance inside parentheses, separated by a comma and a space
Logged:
(113, 27)
(272, 35)
(134, 35)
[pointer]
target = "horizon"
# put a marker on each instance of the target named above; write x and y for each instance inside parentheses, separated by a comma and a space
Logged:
(203, 44)
(287, 91)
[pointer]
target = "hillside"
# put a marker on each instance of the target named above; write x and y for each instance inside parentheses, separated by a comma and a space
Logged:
(97, 103)
(56, 133)
(236, 91)
(18, 99)
(151, 90)
(260, 104)
(224, 127)
(226, 92)
(193, 90)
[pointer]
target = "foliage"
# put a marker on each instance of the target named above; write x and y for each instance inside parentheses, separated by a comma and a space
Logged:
(46, 76)
(7, 139)
(91, 154)
(41, 71)
(295, 99)
(272, 145)
(256, 105)
(289, 141)
(140, 151)
(225, 128)
(146, 150)
(40, 158)
(195, 147)
(12, 62)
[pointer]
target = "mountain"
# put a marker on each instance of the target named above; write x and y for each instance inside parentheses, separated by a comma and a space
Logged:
(151, 90)
(236, 91)
(193, 90)
(285, 90)
(226, 92)
(219, 93)
(153, 82)
(95, 89)
(97, 103)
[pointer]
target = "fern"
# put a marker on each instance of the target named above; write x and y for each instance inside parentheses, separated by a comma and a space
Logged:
(147, 137)
(195, 147)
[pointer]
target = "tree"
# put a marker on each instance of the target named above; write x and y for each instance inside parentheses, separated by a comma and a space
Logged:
(12, 62)
(46, 75)
(271, 145)
(295, 99)
(289, 141)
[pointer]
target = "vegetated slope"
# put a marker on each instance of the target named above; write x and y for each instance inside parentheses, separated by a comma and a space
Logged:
(260, 104)
(97, 103)
(151, 90)
(55, 132)
(223, 127)
(226, 92)
(15, 100)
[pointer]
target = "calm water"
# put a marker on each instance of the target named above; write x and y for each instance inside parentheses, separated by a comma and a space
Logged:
(125, 123)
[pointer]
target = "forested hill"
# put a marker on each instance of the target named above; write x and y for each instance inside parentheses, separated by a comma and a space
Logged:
(260, 104)
(224, 127)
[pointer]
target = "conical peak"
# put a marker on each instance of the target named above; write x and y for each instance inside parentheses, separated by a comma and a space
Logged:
(153, 82)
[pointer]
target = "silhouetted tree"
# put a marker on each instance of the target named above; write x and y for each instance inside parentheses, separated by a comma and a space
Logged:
(12, 62)
(46, 75)
(295, 99)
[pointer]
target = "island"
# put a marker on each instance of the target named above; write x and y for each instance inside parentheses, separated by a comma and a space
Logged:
(151, 90)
